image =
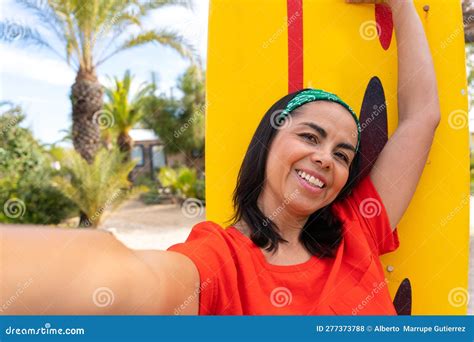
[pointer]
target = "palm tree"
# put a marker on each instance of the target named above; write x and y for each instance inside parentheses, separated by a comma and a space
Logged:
(94, 187)
(89, 33)
(468, 19)
(125, 111)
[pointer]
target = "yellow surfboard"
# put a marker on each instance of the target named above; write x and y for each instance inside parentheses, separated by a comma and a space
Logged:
(260, 50)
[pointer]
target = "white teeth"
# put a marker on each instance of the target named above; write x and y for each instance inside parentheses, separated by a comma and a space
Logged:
(310, 179)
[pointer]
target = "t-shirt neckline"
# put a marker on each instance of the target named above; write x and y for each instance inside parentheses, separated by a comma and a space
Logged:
(261, 257)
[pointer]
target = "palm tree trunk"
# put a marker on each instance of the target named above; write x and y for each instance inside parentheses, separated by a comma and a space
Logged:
(87, 100)
(125, 143)
(84, 221)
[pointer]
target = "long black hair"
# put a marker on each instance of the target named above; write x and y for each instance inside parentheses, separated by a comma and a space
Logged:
(322, 232)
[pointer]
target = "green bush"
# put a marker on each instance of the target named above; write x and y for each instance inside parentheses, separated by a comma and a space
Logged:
(26, 191)
(35, 203)
(183, 182)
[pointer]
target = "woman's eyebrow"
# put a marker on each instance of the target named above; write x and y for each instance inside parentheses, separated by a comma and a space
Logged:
(324, 135)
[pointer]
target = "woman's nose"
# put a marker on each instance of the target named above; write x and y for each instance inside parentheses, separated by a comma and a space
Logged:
(323, 158)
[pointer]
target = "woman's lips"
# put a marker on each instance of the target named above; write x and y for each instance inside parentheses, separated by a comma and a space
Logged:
(306, 185)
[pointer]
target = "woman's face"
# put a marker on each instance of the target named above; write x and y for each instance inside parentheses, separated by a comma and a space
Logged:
(300, 146)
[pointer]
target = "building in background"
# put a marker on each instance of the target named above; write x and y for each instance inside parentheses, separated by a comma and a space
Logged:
(148, 152)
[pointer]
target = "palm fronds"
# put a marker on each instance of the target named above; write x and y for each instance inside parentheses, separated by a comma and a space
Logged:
(95, 187)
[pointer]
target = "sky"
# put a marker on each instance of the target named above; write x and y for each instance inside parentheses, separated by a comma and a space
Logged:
(40, 82)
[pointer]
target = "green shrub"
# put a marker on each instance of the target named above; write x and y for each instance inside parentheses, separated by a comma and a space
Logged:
(183, 182)
(26, 191)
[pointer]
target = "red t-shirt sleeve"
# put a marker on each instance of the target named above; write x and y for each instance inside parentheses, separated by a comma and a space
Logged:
(207, 248)
(365, 205)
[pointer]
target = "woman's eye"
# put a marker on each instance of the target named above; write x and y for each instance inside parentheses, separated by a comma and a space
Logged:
(309, 137)
(343, 156)
(314, 139)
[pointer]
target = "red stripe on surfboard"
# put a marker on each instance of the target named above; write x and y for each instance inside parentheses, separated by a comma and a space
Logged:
(383, 18)
(295, 44)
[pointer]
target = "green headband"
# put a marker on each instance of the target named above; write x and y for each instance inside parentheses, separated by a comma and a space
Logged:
(311, 95)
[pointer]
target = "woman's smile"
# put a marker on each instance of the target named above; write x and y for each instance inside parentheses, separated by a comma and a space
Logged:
(308, 184)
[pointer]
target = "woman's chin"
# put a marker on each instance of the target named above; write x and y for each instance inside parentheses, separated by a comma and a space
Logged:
(305, 208)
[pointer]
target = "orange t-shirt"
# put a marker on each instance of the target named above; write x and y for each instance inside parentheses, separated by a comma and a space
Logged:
(236, 279)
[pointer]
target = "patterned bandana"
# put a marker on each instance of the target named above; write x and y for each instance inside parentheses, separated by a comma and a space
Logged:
(311, 95)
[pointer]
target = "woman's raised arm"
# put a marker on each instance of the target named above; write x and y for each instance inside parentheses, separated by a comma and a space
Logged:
(398, 168)
(47, 271)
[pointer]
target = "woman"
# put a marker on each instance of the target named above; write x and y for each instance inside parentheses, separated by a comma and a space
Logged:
(301, 241)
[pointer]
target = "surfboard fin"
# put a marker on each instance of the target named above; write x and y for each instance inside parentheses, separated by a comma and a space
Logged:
(373, 121)
(402, 301)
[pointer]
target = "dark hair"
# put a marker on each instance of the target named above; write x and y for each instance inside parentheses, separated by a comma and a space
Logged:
(322, 232)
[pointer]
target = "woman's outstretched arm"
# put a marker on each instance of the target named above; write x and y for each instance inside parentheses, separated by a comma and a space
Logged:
(47, 271)
(398, 168)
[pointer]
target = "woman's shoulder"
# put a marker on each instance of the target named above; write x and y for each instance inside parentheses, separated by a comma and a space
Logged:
(363, 208)
(208, 227)
(207, 236)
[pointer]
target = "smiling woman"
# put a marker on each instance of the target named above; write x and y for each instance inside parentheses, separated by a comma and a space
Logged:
(309, 223)
(313, 145)
(337, 205)
(304, 237)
